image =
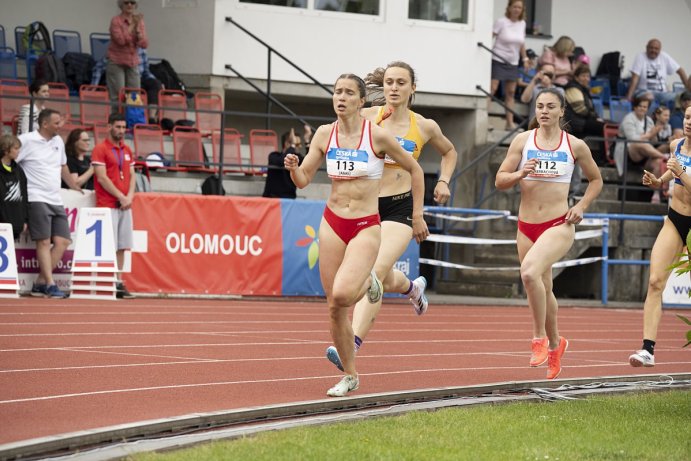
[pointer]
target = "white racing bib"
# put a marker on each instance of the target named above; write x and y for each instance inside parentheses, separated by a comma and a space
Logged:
(346, 163)
(550, 164)
(685, 161)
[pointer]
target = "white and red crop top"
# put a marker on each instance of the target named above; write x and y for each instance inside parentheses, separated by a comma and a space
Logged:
(552, 165)
(362, 162)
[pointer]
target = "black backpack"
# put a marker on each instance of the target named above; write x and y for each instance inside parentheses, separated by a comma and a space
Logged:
(212, 185)
(165, 73)
(78, 67)
(609, 68)
(50, 69)
(36, 39)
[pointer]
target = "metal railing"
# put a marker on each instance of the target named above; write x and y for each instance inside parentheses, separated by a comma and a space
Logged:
(267, 94)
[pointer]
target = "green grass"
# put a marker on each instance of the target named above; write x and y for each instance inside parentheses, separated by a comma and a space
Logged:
(644, 426)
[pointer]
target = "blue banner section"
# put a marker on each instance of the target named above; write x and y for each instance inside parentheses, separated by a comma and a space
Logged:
(301, 219)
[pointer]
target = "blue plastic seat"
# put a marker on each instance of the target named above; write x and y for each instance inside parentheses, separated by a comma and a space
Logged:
(618, 108)
(8, 63)
(99, 42)
(66, 41)
(599, 107)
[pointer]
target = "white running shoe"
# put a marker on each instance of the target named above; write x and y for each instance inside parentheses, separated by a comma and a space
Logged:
(642, 358)
(418, 298)
(332, 355)
(376, 290)
(345, 385)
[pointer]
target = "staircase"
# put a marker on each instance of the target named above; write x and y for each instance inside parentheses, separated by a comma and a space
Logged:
(579, 281)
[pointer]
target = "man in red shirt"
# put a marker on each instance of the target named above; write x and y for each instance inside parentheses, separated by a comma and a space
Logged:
(113, 164)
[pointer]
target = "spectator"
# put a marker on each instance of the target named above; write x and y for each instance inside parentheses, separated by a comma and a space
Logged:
(649, 74)
(509, 46)
(113, 165)
(527, 71)
(127, 33)
(14, 208)
(559, 56)
(580, 112)
(42, 157)
(149, 82)
(278, 182)
(28, 121)
(676, 120)
(637, 126)
(78, 162)
(542, 80)
(664, 136)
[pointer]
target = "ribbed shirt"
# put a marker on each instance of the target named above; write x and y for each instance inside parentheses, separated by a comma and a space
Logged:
(122, 49)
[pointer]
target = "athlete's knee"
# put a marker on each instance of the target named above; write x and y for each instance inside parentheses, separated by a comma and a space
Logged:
(530, 275)
(657, 282)
(342, 297)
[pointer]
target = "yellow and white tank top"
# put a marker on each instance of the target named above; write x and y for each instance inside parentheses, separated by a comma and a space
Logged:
(342, 163)
(552, 165)
(412, 142)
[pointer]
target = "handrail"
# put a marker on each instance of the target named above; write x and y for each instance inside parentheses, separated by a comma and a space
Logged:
(271, 50)
(492, 52)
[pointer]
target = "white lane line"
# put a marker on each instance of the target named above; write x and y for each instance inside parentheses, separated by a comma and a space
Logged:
(273, 381)
(461, 355)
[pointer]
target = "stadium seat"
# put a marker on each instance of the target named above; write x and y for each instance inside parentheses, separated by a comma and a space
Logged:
(262, 143)
(9, 108)
(232, 156)
(65, 41)
(60, 100)
(66, 128)
(94, 105)
(99, 41)
(100, 134)
(148, 139)
(8, 63)
(188, 151)
(208, 122)
(610, 133)
(3, 43)
(172, 104)
(618, 108)
(18, 43)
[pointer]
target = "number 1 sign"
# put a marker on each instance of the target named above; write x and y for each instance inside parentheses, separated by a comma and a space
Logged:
(8, 263)
(94, 264)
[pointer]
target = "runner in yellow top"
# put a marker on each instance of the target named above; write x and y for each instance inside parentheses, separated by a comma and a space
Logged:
(400, 222)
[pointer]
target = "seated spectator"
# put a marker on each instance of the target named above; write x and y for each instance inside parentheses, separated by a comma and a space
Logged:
(40, 91)
(664, 136)
(78, 162)
(559, 56)
(543, 79)
(649, 74)
(676, 120)
(149, 82)
(527, 71)
(638, 126)
(278, 182)
(14, 207)
(580, 111)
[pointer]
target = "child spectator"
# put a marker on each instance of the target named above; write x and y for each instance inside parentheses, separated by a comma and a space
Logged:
(14, 208)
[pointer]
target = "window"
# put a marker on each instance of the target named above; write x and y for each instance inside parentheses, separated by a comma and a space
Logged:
(439, 10)
(349, 6)
(291, 3)
(538, 18)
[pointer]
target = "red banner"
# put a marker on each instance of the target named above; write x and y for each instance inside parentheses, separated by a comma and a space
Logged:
(207, 245)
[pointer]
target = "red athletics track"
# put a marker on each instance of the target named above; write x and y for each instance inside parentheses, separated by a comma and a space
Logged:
(68, 365)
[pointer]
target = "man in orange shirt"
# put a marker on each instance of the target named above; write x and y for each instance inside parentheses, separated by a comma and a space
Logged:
(113, 164)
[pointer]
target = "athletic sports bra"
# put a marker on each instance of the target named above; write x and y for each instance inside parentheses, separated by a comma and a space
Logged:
(553, 165)
(412, 142)
(684, 159)
(342, 163)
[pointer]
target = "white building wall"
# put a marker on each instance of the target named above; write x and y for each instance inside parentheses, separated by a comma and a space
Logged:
(327, 44)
